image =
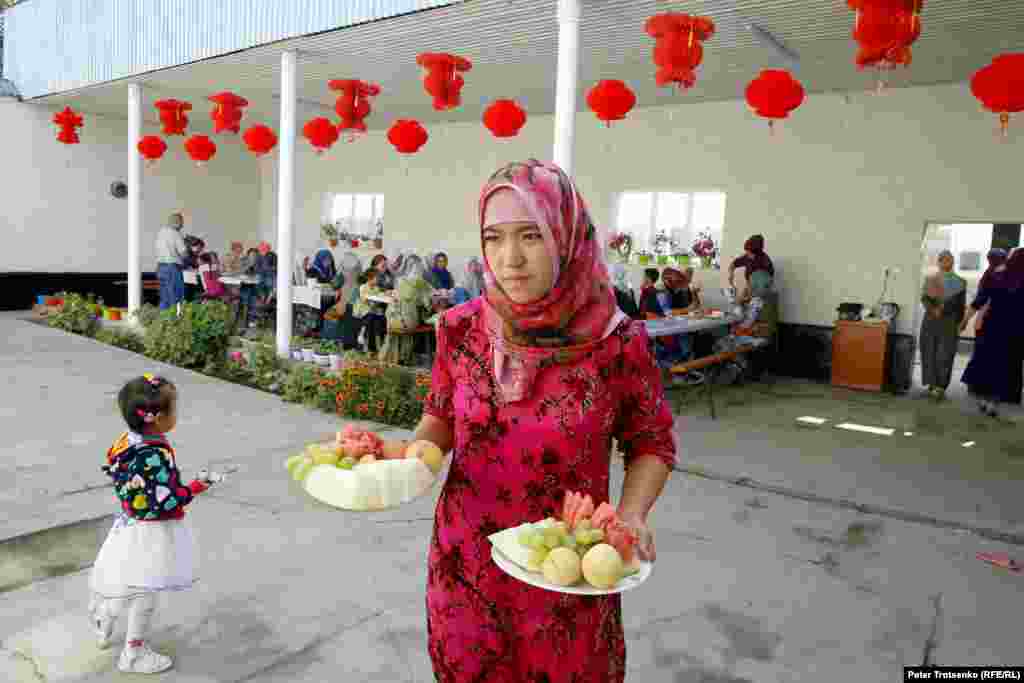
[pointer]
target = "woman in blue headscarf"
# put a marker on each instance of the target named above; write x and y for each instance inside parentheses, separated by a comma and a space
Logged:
(322, 267)
(439, 275)
(945, 303)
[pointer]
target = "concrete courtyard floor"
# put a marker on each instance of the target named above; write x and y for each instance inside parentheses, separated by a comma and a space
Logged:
(805, 570)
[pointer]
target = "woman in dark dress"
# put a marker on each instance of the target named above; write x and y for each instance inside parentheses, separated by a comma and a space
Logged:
(994, 372)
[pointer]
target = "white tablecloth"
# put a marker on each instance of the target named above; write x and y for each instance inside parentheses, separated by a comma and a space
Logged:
(667, 327)
(239, 279)
(311, 296)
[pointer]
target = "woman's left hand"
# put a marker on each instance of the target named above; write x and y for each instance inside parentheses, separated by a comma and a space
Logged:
(644, 537)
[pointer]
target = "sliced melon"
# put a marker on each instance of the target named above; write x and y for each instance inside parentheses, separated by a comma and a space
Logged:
(375, 486)
(507, 543)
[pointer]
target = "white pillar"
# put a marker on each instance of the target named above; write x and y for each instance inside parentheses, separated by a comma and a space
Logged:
(286, 201)
(565, 86)
(134, 197)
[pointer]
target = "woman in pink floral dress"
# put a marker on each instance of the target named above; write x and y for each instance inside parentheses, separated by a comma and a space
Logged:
(531, 383)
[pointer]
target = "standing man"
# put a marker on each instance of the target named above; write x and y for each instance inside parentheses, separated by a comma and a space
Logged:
(170, 252)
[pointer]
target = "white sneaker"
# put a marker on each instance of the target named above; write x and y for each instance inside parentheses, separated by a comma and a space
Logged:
(142, 660)
(102, 625)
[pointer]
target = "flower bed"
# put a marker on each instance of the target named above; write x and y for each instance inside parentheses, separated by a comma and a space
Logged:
(363, 388)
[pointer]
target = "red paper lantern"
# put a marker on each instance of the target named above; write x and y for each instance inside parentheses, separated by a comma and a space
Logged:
(774, 94)
(152, 147)
(678, 50)
(172, 116)
(321, 133)
(885, 30)
(68, 120)
(1000, 87)
(407, 135)
(504, 118)
(259, 139)
(611, 100)
(200, 148)
(227, 115)
(353, 104)
(442, 80)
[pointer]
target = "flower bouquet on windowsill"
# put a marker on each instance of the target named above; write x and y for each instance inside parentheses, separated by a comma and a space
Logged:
(705, 249)
(621, 245)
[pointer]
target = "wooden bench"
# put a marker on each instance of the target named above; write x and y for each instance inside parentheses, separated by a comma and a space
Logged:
(711, 363)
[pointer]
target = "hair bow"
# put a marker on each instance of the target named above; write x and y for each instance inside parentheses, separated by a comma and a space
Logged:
(146, 417)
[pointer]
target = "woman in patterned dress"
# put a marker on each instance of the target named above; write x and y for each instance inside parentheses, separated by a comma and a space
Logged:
(531, 383)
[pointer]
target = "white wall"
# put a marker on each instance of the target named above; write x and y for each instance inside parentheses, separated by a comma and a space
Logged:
(840, 192)
(56, 211)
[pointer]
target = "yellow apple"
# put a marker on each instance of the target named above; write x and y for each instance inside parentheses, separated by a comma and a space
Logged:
(602, 566)
(562, 567)
(428, 452)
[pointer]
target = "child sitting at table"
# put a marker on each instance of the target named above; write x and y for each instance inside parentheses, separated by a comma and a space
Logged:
(370, 313)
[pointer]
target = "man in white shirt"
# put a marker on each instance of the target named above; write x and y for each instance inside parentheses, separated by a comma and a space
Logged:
(170, 250)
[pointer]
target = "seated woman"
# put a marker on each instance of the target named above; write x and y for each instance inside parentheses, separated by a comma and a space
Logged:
(370, 313)
(412, 306)
(472, 283)
(266, 270)
(322, 267)
(440, 277)
(682, 297)
(649, 306)
(624, 295)
(209, 273)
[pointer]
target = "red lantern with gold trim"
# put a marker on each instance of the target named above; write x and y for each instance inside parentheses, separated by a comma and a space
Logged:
(678, 49)
(611, 100)
(442, 80)
(227, 115)
(1000, 87)
(172, 116)
(407, 135)
(504, 118)
(774, 94)
(885, 30)
(152, 148)
(68, 121)
(200, 148)
(321, 133)
(353, 105)
(259, 139)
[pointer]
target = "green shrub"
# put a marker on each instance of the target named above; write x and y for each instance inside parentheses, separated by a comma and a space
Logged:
(197, 339)
(147, 314)
(269, 371)
(77, 315)
(304, 385)
(122, 339)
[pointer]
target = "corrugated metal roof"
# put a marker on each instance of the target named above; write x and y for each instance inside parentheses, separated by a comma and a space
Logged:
(54, 45)
(513, 46)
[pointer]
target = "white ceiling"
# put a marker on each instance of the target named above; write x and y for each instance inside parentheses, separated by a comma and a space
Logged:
(513, 47)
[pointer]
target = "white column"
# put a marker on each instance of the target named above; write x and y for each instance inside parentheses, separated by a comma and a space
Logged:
(134, 197)
(286, 201)
(565, 86)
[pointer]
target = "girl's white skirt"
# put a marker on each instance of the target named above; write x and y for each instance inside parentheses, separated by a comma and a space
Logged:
(144, 557)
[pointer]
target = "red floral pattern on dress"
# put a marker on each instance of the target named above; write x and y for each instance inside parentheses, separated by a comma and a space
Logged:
(512, 464)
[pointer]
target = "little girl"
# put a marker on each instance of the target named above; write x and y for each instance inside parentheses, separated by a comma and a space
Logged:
(150, 548)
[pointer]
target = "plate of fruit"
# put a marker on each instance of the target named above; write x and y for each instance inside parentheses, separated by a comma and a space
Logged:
(585, 551)
(352, 473)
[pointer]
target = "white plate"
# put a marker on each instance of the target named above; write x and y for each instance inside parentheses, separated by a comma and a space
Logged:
(515, 571)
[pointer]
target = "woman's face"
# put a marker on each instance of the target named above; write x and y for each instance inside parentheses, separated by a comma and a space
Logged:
(441, 262)
(381, 265)
(946, 263)
(519, 260)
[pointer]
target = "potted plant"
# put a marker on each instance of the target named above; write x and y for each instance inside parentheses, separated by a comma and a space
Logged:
(330, 233)
(705, 248)
(643, 257)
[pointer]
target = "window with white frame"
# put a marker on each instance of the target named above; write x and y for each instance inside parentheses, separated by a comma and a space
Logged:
(358, 214)
(679, 215)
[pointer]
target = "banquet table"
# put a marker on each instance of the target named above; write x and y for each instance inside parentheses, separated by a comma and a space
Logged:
(687, 324)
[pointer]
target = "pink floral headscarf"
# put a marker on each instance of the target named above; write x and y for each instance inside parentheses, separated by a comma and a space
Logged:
(578, 312)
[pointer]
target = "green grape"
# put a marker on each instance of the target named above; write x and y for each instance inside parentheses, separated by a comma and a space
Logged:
(536, 560)
(596, 536)
(552, 539)
(346, 463)
(581, 536)
(569, 541)
(584, 525)
(526, 538)
(537, 541)
(561, 527)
